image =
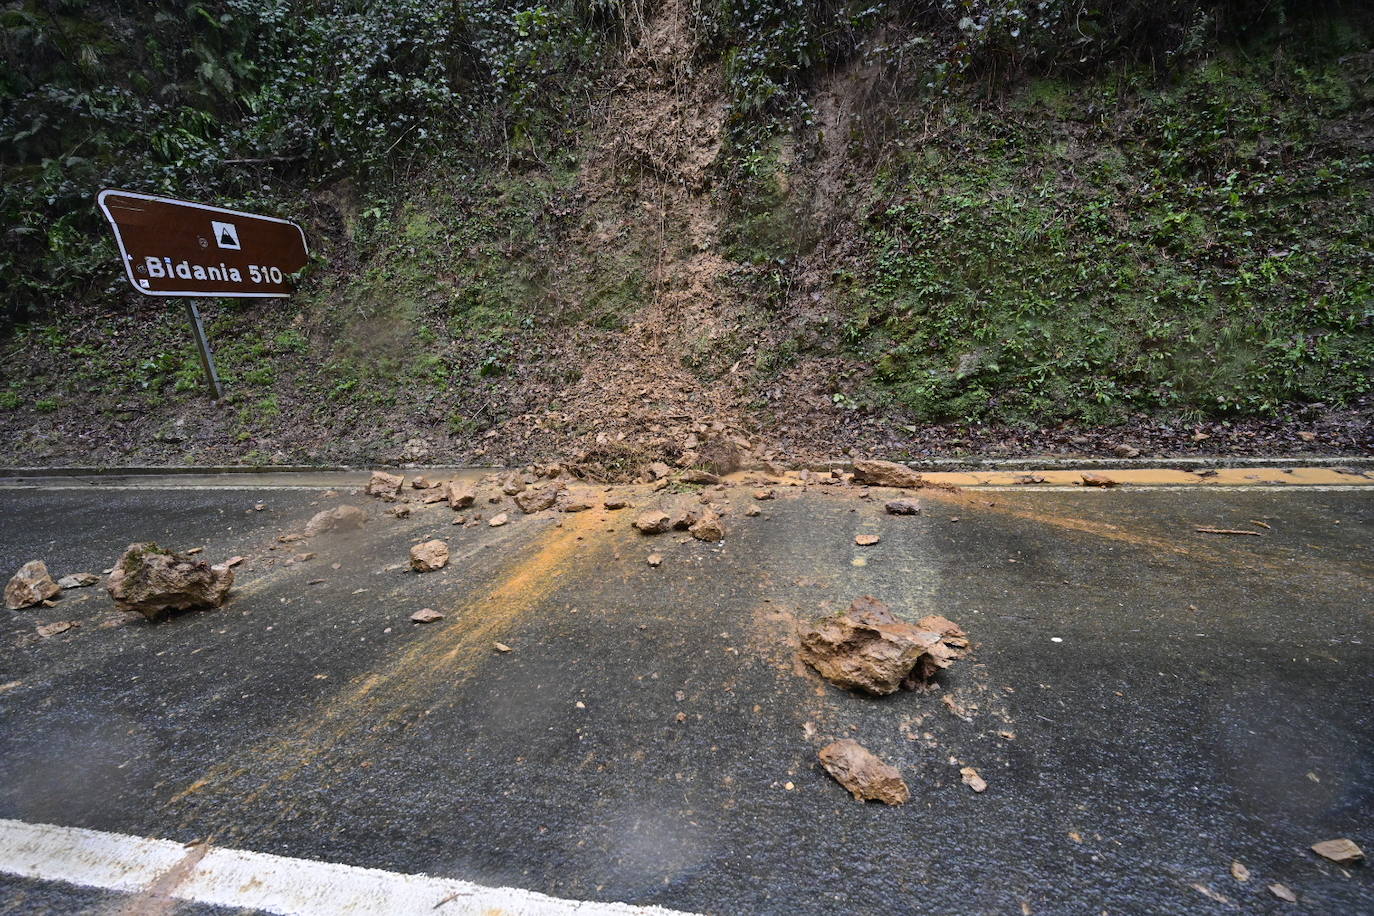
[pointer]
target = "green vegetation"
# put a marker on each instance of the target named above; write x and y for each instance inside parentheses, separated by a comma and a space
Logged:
(1095, 249)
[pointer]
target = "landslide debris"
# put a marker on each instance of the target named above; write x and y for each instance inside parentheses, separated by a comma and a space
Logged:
(31, 585)
(863, 773)
(886, 474)
(867, 648)
(155, 581)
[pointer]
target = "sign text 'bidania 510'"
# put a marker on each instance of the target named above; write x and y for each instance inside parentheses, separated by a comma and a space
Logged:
(178, 248)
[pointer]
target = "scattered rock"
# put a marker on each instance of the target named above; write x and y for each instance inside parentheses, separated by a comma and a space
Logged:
(886, 474)
(570, 502)
(31, 585)
(683, 511)
(753, 511)
(235, 561)
(614, 502)
(60, 626)
(764, 494)
(460, 495)
(77, 580)
(1240, 872)
(537, 499)
(500, 647)
(422, 483)
(659, 470)
(653, 522)
(902, 507)
(384, 486)
(498, 520)
(696, 475)
(153, 581)
(429, 556)
(400, 511)
(513, 485)
(869, 649)
(708, 528)
(971, 779)
(655, 560)
(1097, 480)
(426, 615)
(864, 774)
(866, 540)
(259, 507)
(303, 557)
(1341, 851)
(1282, 892)
(1126, 451)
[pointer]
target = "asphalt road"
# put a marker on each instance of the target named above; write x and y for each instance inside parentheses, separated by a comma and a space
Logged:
(1147, 703)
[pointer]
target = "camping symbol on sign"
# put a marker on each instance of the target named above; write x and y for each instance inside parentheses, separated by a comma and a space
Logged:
(226, 236)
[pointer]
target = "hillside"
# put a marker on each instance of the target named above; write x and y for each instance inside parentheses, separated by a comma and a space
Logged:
(631, 233)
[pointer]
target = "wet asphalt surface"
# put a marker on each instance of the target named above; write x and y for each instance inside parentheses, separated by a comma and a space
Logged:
(1210, 700)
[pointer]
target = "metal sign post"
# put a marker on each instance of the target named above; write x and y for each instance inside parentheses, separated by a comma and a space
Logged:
(178, 248)
(207, 359)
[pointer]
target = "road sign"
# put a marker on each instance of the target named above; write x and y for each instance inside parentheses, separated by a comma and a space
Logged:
(178, 248)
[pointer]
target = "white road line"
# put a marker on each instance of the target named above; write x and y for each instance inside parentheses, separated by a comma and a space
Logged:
(256, 880)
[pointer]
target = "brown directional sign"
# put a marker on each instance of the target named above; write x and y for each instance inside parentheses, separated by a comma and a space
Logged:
(178, 248)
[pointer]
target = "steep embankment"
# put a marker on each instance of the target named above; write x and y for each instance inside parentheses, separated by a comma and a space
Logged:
(1122, 260)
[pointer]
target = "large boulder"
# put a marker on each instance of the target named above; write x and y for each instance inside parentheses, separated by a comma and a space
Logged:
(867, 648)
(863, 773)
(31, 585)
(384, 486)
(708, 528)
(653, 522)
(340, 518)
(153, 581)
(886, 474)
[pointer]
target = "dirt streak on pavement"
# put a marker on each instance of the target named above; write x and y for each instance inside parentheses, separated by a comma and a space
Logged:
(391, 697)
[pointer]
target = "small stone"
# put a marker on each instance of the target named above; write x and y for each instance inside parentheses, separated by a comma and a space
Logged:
(1240, 872)
(1341, 851)
(866, 540)
(886, 474)
(764, 494)
(537, 499)
(655, 560)
(696, 475)
(1097, 480)
(971, 779)
(498, 520)
(340, 518)
(1126, 451)
(77, 580)
(513, 485)
(426, 615)
(500, 647)
(30, 586)
(421, 483)
(902, 507)
(1282, 892)
(864, 774)
(614, 502)
(429, 556)
(653, 522)
(259, 507)
(399, 511)
(659, 470)
(709, 528)
(60, 626)
(460, 495)
(753, 512)
(384, 486)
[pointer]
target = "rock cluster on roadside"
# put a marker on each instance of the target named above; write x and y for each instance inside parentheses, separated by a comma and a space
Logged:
(31, 585)
(154, 581)
(867, 648)
(864, 774)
